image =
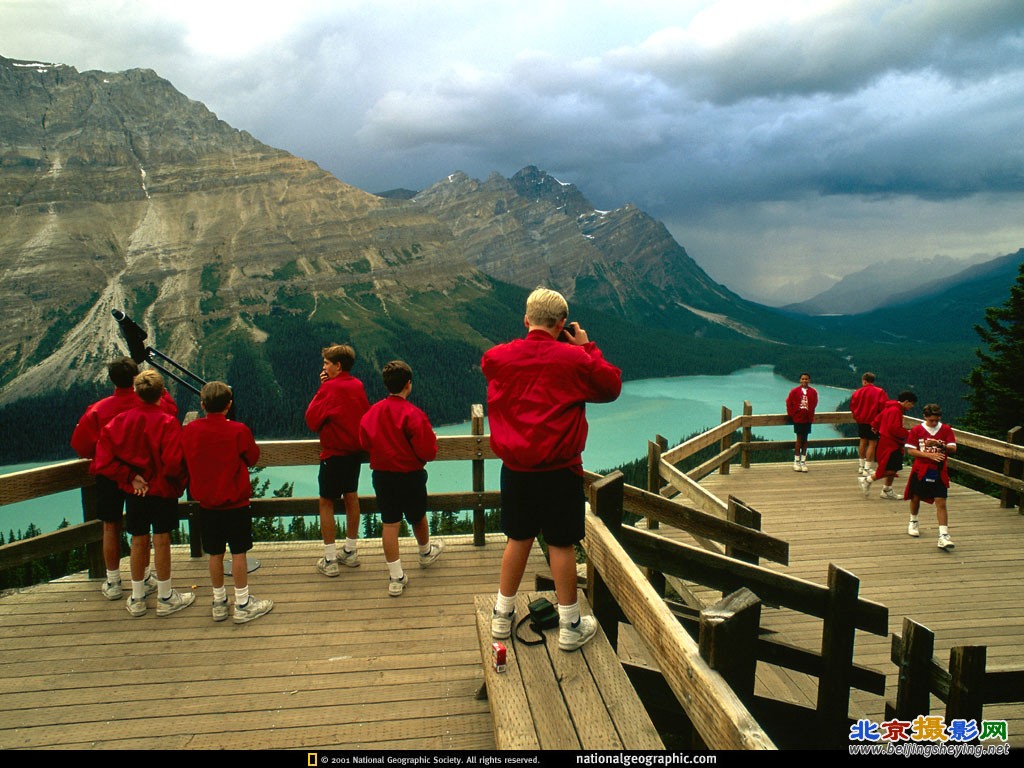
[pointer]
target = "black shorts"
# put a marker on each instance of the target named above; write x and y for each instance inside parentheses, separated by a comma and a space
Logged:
(895, 462)
(551, 503)
(339, 475)
(226, 527)
(802, 428)
(401, 494)
(865, 432)
(145, 512)
(109, 500)
(927, 488)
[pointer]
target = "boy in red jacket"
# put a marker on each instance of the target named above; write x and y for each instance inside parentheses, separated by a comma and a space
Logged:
(109, 498)
(400, 441)
(334, 413)
(867, 402)
(219, 453)
(537, 390)
(892, 436)
(800, 405)
(140, 450)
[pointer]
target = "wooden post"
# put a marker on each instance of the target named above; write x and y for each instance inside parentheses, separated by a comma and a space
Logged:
(728, 640)
(476, 415)
(654, 450)
(93, 551)
(723, 469)
(748, 410)
(837, 638)
(606, 502)
(739, 512)
(913, 658)
(1010, 498)
(967, 683)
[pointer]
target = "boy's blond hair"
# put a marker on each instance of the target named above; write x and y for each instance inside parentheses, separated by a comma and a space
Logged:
(149, 385)
(216, 396)
(545, 307)
(342, 354)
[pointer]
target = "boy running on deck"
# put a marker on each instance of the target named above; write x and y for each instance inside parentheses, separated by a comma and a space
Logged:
(929, 444)
(141, 451)
(109, 498)
(400, 441)
(334, 413)
(892, 436)
(219, 452)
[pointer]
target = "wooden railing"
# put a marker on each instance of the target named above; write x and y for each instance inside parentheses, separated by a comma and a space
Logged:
(72, 475)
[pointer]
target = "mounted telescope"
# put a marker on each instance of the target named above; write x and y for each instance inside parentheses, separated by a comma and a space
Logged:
(140, 352)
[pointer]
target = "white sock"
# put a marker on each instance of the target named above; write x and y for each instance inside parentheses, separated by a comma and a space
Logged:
(424, 548)
(568, 614)
(114, 577)
(138, 590)
(241, 595)
(913, 518)
(395, 569)
(505, 604)
(330, 551)
(220, 594)
(351, 544)
(943, 530)
(163, 589)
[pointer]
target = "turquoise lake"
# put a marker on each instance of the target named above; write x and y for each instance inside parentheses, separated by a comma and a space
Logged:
(674, 407)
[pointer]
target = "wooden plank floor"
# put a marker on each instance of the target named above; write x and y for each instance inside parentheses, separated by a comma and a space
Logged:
(972, 595)
(337, 664)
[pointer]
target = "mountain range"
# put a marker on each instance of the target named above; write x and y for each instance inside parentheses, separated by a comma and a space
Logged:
(241, 261)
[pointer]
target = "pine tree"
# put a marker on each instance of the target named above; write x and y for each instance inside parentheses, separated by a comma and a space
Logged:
(996, 396)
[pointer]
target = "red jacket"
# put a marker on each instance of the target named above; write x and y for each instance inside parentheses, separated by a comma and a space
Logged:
(218, 453)
(891, 434)
(97, 415)
(397, 435)
(867, 402)
(537, 390)
(143, 441)
(334, 413)
(793, 401)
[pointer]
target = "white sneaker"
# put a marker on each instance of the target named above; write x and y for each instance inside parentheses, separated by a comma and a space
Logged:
(176, 602)
(327, 567)
(348, 559)
(252, 609)
(945, 542)
(501, 624)
(572, 637)
(136, 607)
(428, 557)
(397, 586)
(796, 466)
(913, 529)
(803, 466)
(889, 494)
(220, 609)
(865, 486)
(112, 590)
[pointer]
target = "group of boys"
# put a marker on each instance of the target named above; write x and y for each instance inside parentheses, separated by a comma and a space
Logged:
(143, 460)
(537, 390)
(883, 442)
(399, 441)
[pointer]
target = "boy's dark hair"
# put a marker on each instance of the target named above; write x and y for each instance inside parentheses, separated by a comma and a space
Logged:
(149, 385)
(122, 372)
(868, 377)
(342, 354)
(906, 395)
(396, 375)
(216, 396)
(932, 409)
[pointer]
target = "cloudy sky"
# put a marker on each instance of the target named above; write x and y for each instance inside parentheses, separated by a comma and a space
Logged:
(782, 142)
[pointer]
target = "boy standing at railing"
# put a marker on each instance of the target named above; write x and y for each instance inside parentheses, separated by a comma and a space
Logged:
(141, 451)
(537, 390)
(110, 499)
(929, 444)
(219, 452)
(334, 413)
(800, 405)
(400, 441)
